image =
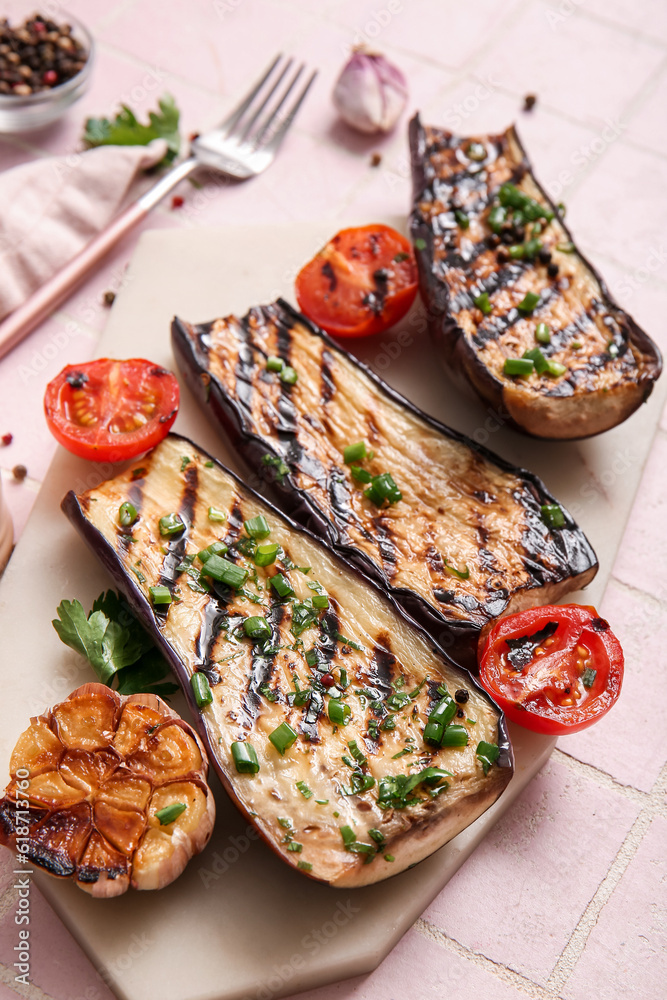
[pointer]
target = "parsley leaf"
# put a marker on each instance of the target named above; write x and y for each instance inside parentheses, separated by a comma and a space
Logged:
(115, 645)
(125, 130)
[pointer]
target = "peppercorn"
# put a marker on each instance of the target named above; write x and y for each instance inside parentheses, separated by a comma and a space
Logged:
(544, 256)
(529, 102)
(19, 473)
(461, 696)
(376, 159)
(37, 55)
(552, 270)
(109, 298)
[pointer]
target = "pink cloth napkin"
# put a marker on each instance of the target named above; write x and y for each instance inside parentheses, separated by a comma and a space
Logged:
(50, 208)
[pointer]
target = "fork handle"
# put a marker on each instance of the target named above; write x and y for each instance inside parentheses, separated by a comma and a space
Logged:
(46, 299)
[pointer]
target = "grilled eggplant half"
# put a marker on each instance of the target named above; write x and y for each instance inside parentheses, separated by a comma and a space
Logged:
(487, 237)
(311, 689)
(467, 542)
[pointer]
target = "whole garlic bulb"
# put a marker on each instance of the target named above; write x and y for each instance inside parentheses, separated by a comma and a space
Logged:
(371, 92)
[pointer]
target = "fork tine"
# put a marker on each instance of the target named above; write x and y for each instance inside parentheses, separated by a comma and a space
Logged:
(248, 128)
(274, 141)
(232, 120)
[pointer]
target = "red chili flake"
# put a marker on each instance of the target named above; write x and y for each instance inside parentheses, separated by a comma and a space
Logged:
(328, 680)
(177, 201)
(7, 439)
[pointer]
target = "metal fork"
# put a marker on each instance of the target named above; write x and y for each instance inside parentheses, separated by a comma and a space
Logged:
(242, 146)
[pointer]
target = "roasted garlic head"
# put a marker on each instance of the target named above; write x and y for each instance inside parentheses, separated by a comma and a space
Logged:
(110, 791)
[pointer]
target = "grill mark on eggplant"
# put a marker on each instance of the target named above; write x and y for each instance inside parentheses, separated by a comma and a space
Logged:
(386, 547)
(329, 626)
(262, 666)
(327, 384)
(135, 497)
(495, 326)
(176, 547)
(212, 617)
(380, 671)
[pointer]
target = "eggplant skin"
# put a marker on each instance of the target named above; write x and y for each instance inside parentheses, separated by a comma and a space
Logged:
(362, 631)
(462, 506)
(599, 389)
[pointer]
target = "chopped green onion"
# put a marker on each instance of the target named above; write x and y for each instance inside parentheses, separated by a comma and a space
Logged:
(138, 473)
(552, 515)
(420, 244)
(352, 844)
(214, 549)
(360, 783)
(477, 152)
(444, 711)
(283, 737)
(511, 196)
(588, 677)
(322, 802)
(358, 755)
(257, 527)
(160, 595)
(282, 586)
(538, 359)
(484, 303)
(127, 514)
(267, 692)
(304, 789)
(528, 302)
(289, 375)
(455, 736)
(462, 574)
(556, 368)
(201, 689)
(531, 248)
(257, 628)
(209, 465)
(542, 333)
(389, 857)
(612, 350)
(354, 452)
(565, 247)
(561, 209)
(497, 217)
(216, 515)
(274, 364)
(376, 835)
(265, 555)
(339, 712)
(400, 257)
(285, 822)
(433, 733)
(461, 218)
(170, 813)
(305, 866)
(518, 366)
(576, 345)
(361, 475)
(383, 488)
(185, 461)
(245, 758)
(517, 251)
(225, 572)
(294, 847)
(320, 601)
(487, 754)
(171, 524)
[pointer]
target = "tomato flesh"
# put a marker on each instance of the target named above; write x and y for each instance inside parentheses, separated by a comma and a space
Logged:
(554, 669)
(362, 282)
(110, 410)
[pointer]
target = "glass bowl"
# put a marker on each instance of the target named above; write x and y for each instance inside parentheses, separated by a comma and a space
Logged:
(22, 113)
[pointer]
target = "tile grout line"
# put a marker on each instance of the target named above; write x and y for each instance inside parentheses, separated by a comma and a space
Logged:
(502, 972)
(588, 15)
(604, 779)
(30, 992)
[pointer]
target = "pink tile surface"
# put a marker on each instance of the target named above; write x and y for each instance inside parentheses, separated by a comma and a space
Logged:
(501, 926)
(626, 953)
(526, 879)
(572, 65)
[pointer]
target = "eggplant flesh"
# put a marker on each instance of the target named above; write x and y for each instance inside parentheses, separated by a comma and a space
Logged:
(466, 543)
(610, 362)
(306, 795)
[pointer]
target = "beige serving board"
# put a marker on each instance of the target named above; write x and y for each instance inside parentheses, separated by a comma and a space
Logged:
(239, 923)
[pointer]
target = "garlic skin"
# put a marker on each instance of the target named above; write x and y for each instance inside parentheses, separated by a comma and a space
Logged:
(371, 92)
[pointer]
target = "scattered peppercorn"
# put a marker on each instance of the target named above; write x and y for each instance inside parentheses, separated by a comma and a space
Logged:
(328, 680)
(461, 696)
(529, 102)
(544, 256)
(376, 159)
(502, 256)
(19, 473)
(177, 201)
(37, 56)
(552, 270)
(7, 439)
(109, 298)
(492, 240)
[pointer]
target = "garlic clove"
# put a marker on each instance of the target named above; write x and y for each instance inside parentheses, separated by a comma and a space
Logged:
(37, 749)
(371, 92)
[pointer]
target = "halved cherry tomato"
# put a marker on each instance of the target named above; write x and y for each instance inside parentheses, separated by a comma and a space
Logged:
(363, 281)
(555, 669)
(111, 410)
